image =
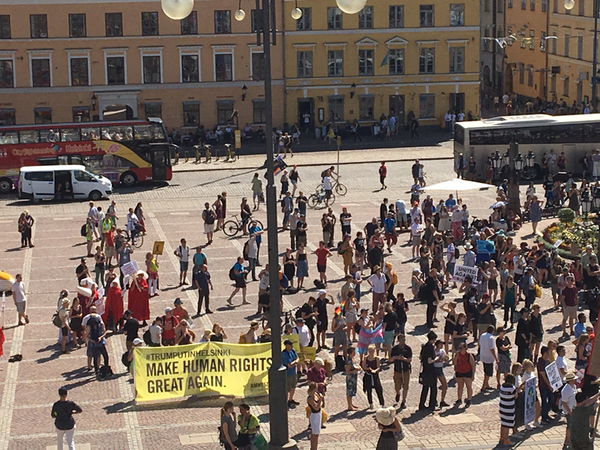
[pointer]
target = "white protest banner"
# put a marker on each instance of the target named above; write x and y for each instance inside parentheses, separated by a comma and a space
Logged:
(554, 377)
(529, 402)
(129, 268)
(557, 243)
(460, 272)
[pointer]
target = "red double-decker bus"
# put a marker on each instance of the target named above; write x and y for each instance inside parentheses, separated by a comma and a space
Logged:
(125, 152)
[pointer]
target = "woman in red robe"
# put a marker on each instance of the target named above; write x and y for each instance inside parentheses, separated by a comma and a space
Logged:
(139, 297)
(113, 309)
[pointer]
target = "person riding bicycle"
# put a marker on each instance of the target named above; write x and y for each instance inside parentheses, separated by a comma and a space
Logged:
(133, 224)
(329, 172)
(245, 213)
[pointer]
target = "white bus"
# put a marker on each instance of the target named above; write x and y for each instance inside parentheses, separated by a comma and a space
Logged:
(574, 135)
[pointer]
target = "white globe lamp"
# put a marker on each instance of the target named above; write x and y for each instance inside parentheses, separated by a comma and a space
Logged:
(239, 15)
(354, 6)
(296, 13)
(569, 4)
(177, 9)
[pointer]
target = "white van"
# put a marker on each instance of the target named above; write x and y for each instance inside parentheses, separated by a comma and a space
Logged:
(62, 182)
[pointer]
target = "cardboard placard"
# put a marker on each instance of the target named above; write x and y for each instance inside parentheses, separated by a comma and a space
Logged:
(553, 374)
(460, 272)
(529, 403)
(158, 247)
(129, 268)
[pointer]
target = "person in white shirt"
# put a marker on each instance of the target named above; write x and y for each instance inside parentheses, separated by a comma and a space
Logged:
(561, 363)
(20, 299)
(183, 253)
(303, 333)
(448, 120)
(156, 332)
(327, 188)
(401, 218)
(487, 355)
(132, 222)
(416, 230)
(101, 216)
(568, 401)
(93, 214)
(461, 116)
(378, 282)
(450, 259)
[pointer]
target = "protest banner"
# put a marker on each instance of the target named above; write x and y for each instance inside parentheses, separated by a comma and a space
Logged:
(529, 403)
(207, 369)
(594, 364)
(305, 353)
(553, 374)
(129, 268)
(460, 272)
(485, 247)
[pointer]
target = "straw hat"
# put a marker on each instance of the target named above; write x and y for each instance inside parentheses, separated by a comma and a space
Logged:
(386, 416)
(570, 377)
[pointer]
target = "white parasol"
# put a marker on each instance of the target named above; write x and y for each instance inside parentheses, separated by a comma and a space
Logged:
(458, 185)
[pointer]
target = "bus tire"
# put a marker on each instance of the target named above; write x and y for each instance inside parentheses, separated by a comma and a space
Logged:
(5, 185)
(95, 195)
(128, 179)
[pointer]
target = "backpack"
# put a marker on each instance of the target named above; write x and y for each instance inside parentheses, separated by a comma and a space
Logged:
(284, 282)
(246, 250)
(298, 315)
(339, 248)
(394, 278)
(147, 337)
(125, 359)
(83, 231)
(324, 173)
(95, 328)
(209, 216)
(232, 275)
(456, 252)
(105, 372)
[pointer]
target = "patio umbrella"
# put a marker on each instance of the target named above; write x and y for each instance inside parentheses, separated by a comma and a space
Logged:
(459, 185)
(498, 205)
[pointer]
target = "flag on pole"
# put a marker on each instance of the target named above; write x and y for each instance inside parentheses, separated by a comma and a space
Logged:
(386, 59)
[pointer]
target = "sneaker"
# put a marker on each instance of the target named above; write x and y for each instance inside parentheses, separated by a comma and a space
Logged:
(326, 347)
(458, 402)
(529, 427)
(467, 403)
(403, 405)
(370, 405)
(294, 402)
(208, 311)
(229, 302)
(397, 398)
(538, 424)
(444, 405)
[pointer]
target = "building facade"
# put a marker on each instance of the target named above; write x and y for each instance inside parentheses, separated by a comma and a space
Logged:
(64, 61)
(493, 25)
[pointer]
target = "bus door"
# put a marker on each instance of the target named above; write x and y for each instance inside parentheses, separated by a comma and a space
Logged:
(160, 160)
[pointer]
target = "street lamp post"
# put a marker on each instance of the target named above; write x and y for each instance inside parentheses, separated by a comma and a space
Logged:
(514, 200)
(497, 164)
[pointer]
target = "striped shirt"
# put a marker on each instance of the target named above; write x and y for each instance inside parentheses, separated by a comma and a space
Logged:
(507, 405)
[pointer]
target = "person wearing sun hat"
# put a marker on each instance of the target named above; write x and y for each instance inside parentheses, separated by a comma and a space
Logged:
(139, 298)
(568, 402)
(389, 425)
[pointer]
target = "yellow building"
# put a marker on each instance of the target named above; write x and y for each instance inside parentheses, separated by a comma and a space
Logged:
(392, 57)
(77, 60)
(526, 57)
(571, 54)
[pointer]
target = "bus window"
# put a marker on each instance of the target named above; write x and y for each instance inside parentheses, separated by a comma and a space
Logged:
(69, 134)
(118, 133)
(9, 137)
(49, 136)
(91, 162)
(158, 131)
(52, 161)
(459, 134)
(143, 132)
(90, 134)
(28, 137)
(80, 175)
(39, 176)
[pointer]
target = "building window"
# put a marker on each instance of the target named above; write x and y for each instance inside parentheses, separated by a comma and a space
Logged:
(77, 25)
(223, 67)
(336, 108)
(151, 69)
(487, 6)
(7, 77)
(457, 15)
(42, 115)
(305, 22)
(426, 15)
(553, 44)
(566, 87)
(509, 4)
(190, 68)
(567, 39)
(555, 6)
(258, 66)
(253, 21)
(521, 73)
(149, 24)
(532, 5)
(113, 23)
(524, 5)
(365, 17)
(38, 24)
(4, 26)
(222, 22)
(579, 47)
(529, 75)
(457, 59)
(7, 116)
(152, 109)
(334, 18)
(115, 70)
(366, 107)
(396, 16)
(553, 83)
(426, 60)
(543, 41)
(396, 61)
(304, 64)
(544, 5)
(81, 114)
(224, 112)
(365, 62)
(501, 6)
(581, 7)
(189, 25)
(259, 111)
(79, 71)
(40, 72)
(531, 40)
(335, 63)
(426, 106)
(191, 114)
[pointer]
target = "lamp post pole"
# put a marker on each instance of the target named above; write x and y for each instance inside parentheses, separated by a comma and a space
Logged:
(595, 60)
(514, 201)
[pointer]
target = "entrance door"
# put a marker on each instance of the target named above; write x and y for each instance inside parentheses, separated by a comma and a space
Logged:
(159, 165)
(63, 185)
(579, 92)
(306, 114)
(457, 102)
(397, 108)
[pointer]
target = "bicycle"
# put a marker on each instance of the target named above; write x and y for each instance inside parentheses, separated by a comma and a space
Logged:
(232, 227)
(287, 317)
(336, 186)
(318, 198)
(135, 240)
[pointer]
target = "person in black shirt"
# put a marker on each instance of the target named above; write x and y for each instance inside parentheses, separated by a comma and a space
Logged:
(383, 210)
(82, 270)
(432, 292)
(301, 227)
(131, 329)
(370, 228)
(323, 321)
(523, 337)
(62, 412)
(402, 356)
(428, 376)
(308, 313)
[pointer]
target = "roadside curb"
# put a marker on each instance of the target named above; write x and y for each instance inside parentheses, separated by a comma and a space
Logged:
(320, 163)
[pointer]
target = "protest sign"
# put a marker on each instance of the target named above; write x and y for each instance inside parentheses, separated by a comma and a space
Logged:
(553, 374)
(529, 403)
(485, 247)
(460, 272)
(129, 268)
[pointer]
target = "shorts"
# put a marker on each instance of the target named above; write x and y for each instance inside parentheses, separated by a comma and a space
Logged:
(110, 252)
(183, 266)
(21, 307)
(503, 364)
(327, 193)
(570, 312)
(315, 422)
(554, 288)
(439, 371)
(256, 195)
(322, 326)
(450, 268)
(493, 284)
(401, 217)
(488, 369)
(416, 240)
(402, 380)
(341, 339)
(468, 374)
(321, 269)
(291, 381)
(388, 338)
(89, 351)
(65, 331)
(209, 228)
(240, 282)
